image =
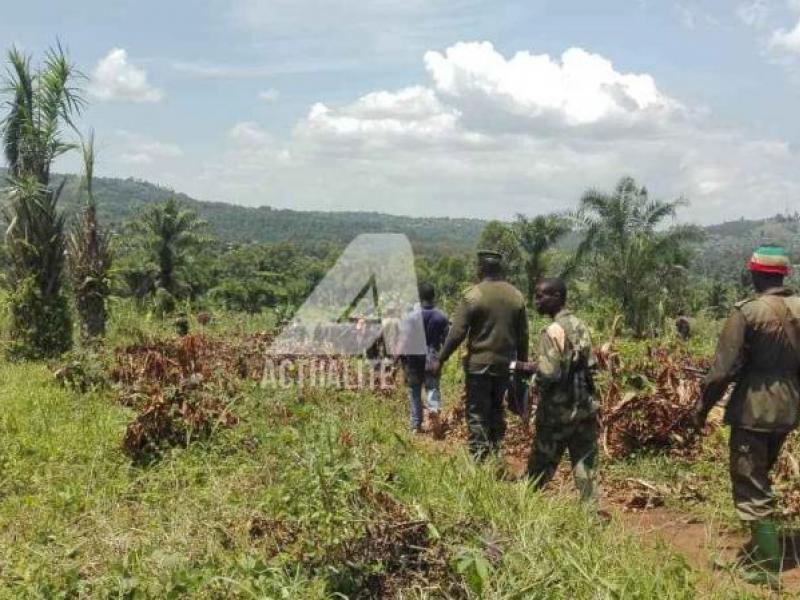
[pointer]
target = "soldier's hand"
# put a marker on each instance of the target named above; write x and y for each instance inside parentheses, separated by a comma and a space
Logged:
(699, 418)
(435, 367)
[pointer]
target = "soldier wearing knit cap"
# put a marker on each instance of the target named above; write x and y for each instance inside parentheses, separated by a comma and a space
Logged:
(759, 352)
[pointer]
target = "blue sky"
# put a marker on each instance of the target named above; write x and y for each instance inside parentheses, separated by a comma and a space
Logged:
(450, 107)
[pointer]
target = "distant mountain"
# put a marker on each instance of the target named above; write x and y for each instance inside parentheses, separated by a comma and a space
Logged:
(122, 199)
(727, 245)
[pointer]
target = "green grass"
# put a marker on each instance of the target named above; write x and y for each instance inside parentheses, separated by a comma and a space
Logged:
(76, 519)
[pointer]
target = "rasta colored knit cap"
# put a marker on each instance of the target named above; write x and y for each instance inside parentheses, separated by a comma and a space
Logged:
(770, 259)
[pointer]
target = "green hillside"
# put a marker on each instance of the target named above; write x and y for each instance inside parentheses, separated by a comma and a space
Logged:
(122, 199)
(727, 244)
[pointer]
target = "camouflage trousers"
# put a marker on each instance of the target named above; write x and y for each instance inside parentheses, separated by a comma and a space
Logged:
(485, 412)
(752, 456)
(580, 439)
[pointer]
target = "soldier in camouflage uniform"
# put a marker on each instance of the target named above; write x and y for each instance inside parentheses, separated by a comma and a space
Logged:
(493, 319)
(567, 415)
(759, 351)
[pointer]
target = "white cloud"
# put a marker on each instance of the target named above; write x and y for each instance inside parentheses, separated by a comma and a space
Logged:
(114, 78)
(489, 135)
(753, 13)
(249, 134)
(135, 149)
(383, 117)
(580, 89)
(788, 41)
(269, 95)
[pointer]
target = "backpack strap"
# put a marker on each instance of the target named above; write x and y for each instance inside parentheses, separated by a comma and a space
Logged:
(779, 307)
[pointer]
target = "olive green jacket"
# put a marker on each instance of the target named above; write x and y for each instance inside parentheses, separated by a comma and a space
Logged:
(564, 369)
(493, 319)
(755, 353)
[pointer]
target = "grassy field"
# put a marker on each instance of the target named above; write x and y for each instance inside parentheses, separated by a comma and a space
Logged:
(313, 494)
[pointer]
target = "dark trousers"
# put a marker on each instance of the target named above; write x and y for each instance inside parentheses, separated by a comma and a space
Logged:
(580, 439)
(752, 456)
(486, 419)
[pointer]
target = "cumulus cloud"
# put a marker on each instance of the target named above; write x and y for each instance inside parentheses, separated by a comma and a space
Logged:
(579, 89)
(135, 149)
(380, 118)
(114, 78)
(786, 40)
(489, 135)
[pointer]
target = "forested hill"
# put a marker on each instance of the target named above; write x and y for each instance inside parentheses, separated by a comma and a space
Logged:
(121, 199)
(726, 246)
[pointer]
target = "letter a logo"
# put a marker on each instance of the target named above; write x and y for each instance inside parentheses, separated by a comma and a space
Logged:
(370, 294)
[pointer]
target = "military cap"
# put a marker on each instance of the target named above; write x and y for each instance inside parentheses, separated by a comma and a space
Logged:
(489, 255)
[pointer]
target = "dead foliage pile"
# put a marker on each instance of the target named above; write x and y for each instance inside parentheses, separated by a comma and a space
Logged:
(394, 556)
(160, 362)
(184, 387)
(181, 388)
(646, 404)
(176, 416)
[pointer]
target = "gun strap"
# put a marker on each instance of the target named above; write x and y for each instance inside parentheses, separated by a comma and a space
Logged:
(779, 307)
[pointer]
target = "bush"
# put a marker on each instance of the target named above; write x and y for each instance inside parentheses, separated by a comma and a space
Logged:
(40, 327)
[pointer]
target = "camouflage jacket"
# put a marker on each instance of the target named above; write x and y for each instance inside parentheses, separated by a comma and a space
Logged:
(564, 372)
(493, 319)
(755, 353)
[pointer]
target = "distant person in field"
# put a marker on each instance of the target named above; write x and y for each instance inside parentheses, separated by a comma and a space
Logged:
(493, 320)
(420, 369)
(567, 414)
(759, 352)
(683, 327)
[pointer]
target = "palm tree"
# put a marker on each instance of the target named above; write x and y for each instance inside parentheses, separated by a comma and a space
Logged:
(633, 257)
(89, 255)
(535, 237)
(169, 233)
(40, 102)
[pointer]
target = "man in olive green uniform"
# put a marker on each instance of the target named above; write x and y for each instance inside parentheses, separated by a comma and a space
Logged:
(758, 351)
(493, 320)
(566, 418)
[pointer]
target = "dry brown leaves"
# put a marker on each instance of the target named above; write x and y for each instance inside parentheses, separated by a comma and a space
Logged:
(647, 405)
(184, 387)
(181, 388)
(395, 554)
(787, 478)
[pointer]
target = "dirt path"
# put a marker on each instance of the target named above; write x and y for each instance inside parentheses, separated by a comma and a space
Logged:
(706, 547)
(709, 548)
